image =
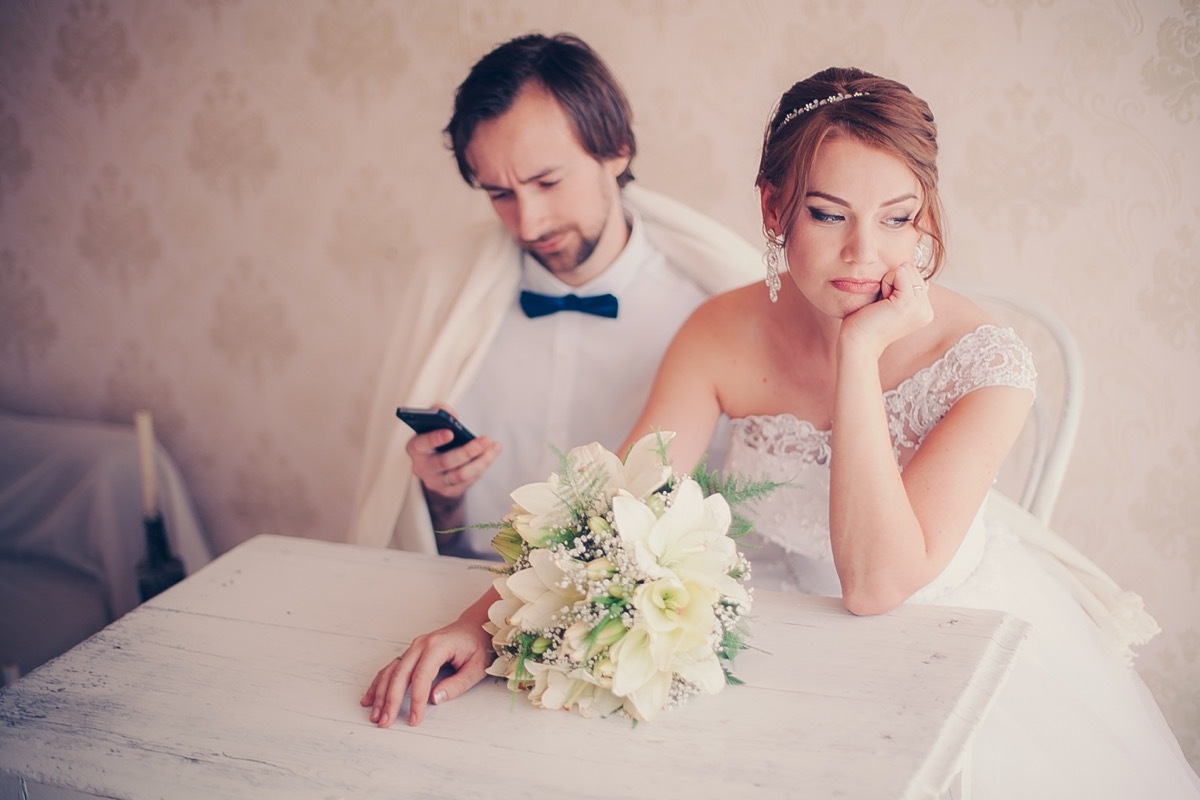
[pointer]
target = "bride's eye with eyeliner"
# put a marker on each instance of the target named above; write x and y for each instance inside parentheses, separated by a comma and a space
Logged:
(824, 216)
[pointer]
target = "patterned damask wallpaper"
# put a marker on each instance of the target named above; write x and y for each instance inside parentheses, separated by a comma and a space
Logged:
(209, 207)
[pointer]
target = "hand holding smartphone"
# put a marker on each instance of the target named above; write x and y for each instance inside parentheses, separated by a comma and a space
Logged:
(424, 420)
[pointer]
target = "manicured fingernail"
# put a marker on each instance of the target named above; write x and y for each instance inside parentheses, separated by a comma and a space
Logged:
(374, 715)
(439, 696)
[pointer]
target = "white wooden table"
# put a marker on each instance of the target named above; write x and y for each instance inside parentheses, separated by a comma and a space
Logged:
(243, 682)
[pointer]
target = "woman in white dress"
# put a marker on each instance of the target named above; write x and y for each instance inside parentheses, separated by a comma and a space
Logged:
(889, 403)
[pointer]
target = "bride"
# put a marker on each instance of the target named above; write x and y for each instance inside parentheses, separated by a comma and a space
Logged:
(888, 403)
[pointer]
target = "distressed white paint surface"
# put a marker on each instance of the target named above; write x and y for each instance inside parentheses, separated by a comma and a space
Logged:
(244, 681)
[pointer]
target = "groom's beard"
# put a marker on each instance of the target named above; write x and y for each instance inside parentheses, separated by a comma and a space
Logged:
(570, 257)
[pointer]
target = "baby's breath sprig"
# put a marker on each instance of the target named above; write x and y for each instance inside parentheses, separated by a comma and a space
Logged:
(734, 631)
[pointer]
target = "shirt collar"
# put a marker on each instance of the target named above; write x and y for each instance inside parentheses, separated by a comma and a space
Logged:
(619, 275)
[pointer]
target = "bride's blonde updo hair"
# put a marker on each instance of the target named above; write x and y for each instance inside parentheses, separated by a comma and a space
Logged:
(878, 112)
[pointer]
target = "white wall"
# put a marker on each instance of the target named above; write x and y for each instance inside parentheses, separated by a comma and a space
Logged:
(209, 207)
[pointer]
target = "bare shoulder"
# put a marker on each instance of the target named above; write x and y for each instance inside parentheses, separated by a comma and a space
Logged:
(727, 315)
(959, 309)
(717, 335)
(955, 316)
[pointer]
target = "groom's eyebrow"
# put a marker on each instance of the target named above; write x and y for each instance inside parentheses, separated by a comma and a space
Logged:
(520, 181)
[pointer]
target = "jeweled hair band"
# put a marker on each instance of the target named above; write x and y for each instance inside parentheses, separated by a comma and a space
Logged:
(804, 109)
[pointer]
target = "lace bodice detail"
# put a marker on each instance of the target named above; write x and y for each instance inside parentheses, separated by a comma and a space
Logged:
(787, 449)
(987, 356)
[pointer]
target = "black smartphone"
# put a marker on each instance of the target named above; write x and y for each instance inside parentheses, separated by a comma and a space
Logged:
(424, 420)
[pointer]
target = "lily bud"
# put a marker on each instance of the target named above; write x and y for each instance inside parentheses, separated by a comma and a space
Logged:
(599, 525)
(507, 542)
(575, 640)
(657, 504)
(607, 633)
(600, 568)
(537, 537)
(603, 672)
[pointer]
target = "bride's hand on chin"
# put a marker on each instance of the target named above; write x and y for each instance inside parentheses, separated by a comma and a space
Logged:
(903, 308)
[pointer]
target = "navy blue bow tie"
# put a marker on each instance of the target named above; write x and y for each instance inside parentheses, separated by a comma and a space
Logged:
(539, 305)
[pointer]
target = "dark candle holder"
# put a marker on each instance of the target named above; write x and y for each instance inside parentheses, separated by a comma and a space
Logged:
(159, 570)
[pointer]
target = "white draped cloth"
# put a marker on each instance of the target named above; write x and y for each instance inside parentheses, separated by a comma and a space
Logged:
(446, 321)
(71, 531)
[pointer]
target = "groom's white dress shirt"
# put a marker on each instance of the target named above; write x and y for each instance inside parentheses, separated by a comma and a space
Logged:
(570, 378)
(458, 301)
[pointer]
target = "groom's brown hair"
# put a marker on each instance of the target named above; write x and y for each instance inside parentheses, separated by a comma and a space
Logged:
(571, 71)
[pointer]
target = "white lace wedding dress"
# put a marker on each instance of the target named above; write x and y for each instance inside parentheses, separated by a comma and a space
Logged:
(1073, 719)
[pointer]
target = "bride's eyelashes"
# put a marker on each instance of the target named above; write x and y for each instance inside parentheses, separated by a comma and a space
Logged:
(832, 217)
(818, 215)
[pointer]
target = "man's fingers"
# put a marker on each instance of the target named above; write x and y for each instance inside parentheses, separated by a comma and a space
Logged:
(450, 474)
(426, 444)
(425, 451)
(472, 470)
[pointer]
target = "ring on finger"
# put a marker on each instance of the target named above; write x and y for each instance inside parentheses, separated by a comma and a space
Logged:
(920, 287)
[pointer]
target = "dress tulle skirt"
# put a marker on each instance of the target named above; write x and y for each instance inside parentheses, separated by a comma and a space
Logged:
(1073, 720)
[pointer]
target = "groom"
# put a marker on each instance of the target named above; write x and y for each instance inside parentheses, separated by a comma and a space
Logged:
(546, 328)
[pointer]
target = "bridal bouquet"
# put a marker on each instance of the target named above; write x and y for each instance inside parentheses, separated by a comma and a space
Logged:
(622, 588)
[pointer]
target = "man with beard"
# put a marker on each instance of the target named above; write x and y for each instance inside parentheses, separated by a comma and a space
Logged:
(545, 330)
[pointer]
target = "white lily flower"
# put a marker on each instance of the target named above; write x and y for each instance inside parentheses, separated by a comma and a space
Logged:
(687, 542)
(646, 702)
(597, 701)
(636, 677)
(640, 474)
(566, 691)
(634, 520)
(678, 616)
(644, 469)
(500, 614)
(702, 667)
(542, 674)
(499, 624)
(538, 511)
(600, 702)
(602, 673)
(503, 667)
(656, 560)
(574, 640)
(545, 591)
